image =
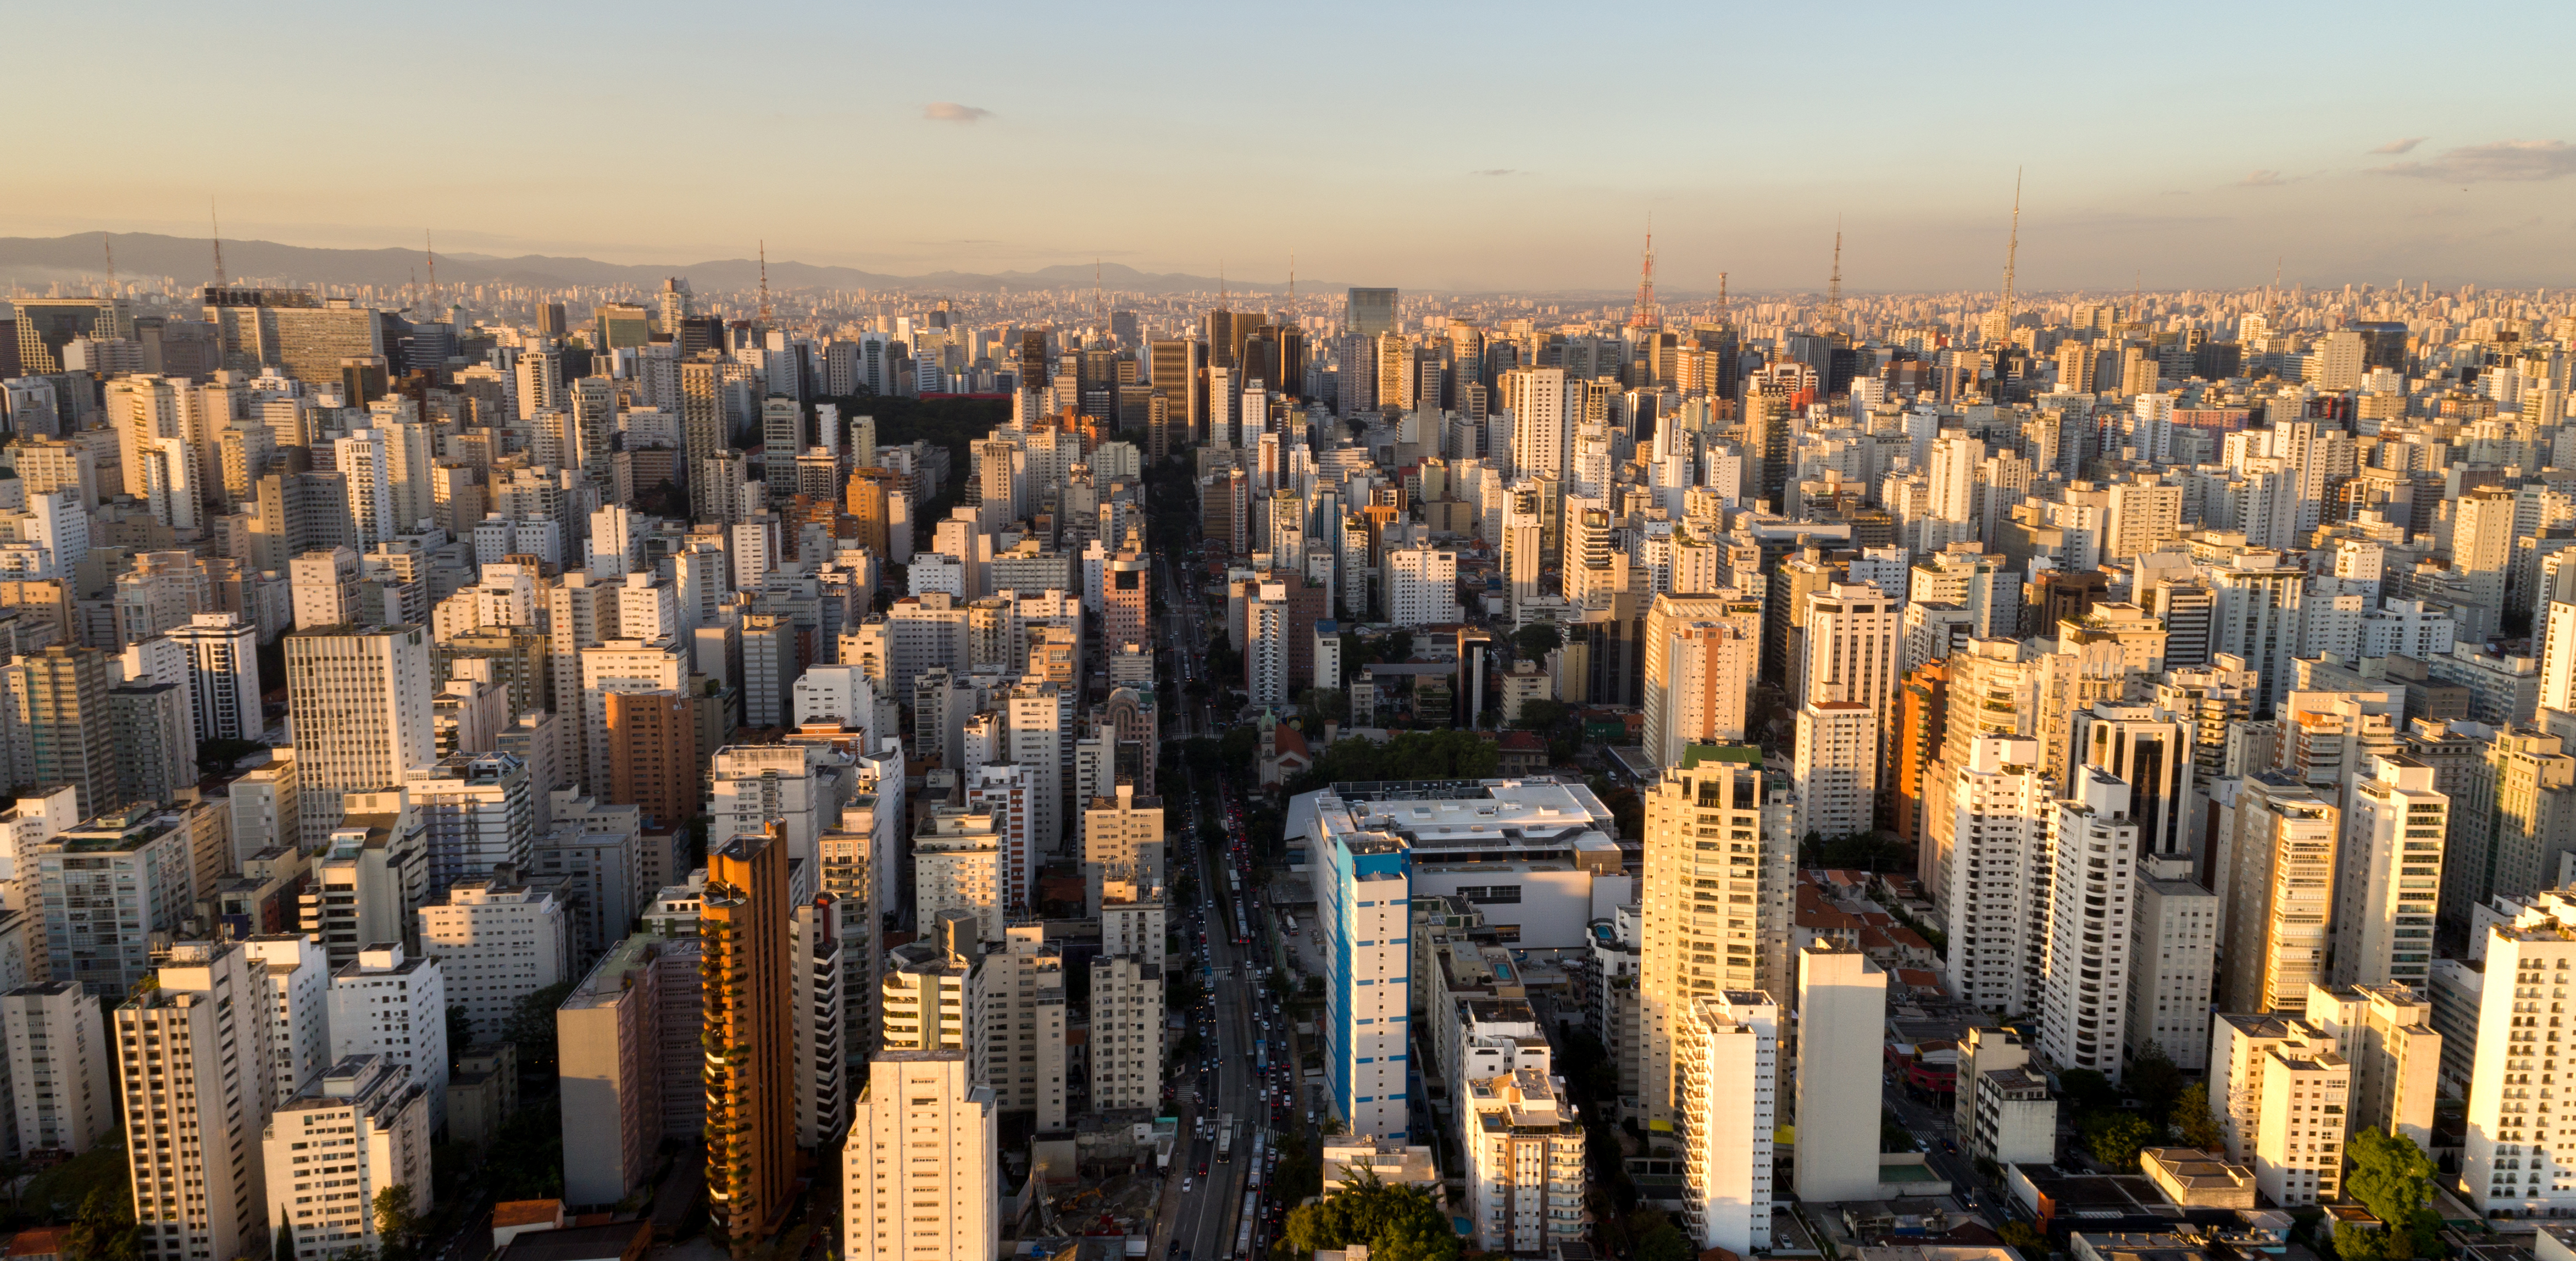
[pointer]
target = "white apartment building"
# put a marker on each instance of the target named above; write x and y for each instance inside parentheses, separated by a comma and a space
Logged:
(1708, 673)
(1836, 768)
(391, 1005)
(2386, 1032)
(957, 866)
(59, 1082)
(2003, 1110)
(1422, 586)
(1039, 716)
(2388, 879)
(2084, 974)
(2280, 836)
(1842, 1018)
(817, 935)
(194, 1049)
(2521, 1161)
(1126, 1033)
(1524, 1162)
(496, 943)
(1998, 879)
(298, 976)
(223, 675)
(921, 1174)
(931, 997)
(2173, 953)
(1024, 1025)
(1002, 790)
(360, 697)
(364, 1126)
(619, 665)
(480, 812)
(800, 787)
(2282, 1093)
(1727, 1058)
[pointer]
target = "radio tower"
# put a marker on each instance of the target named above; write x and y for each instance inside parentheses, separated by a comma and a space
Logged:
(1834, 283)
(218, 240)
(1721, 296)
(764, 284)
(109, 245)
(1646, 315)
(2012, 247)
(429, 251)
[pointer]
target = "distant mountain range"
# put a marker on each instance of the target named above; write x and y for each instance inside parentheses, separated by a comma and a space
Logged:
(41, 260)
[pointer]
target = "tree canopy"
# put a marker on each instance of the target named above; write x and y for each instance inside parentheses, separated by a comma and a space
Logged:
(1398, 1223)
(2393, 1178)
(1409, 755)
(1536, 640)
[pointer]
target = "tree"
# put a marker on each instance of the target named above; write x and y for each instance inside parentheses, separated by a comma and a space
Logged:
(460, 1034)
(2153, 1078)
(2193, 1122)
(398, 1224)
(2115, 1138)
(1330, 703)
(2356, 1242)
(104, 1229)
(2393, 1178)
(1658, 1239)
(2086, 1089)
(1396, 1221)
(1536, 640)
(1542, 715)
(532, 1027)
(2020, 1236)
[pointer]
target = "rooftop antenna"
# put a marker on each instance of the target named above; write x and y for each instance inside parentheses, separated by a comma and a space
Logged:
(2012, 248)
(1645, 316)
(107, 243)
(218, 240)
(1834, 285)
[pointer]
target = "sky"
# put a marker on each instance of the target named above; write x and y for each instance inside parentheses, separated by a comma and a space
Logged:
(1452, 147)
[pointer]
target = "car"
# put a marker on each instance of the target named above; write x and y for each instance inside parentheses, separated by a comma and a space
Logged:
(1186, 1183)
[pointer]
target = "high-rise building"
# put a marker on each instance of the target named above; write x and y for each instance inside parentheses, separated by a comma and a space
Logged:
(59, 1083)
(360, 1129)
(1126, 1032)
(608, 1037)
(1369, 312)
(298, 976)
(2388, 875)
(653, 756)
(1024, 1024)
(957, 865)
(497, 943)
(2280, 1091)
(818, 935)
(2173, 963)
(361, 698)
(1673, 673)
(750, 1037)
(481, 813)
(2386, 1032)
(1727, 1108)
(1693, 947)
(59, 699)
(195, 1048)
(1842, 1015)
(2084, 973)
(921, 1174)
(1524, 1162)
(2280, 836)
(390, 1003)
(1998, 879)
(223, 676)
(2517, 1162)
(1836, 768)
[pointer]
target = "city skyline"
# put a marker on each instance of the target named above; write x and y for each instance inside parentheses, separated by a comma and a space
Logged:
(1016, 158)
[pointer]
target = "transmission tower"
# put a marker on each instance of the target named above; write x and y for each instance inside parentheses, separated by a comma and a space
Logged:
(218, 240)
(1646, 315)
(2012, 247)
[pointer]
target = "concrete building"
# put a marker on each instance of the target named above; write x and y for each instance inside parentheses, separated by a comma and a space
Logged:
(1525, 1176)
(2084, 974)
(298, 976)
(750, 1038)
(1692, 947)
(1122, 840)
(496, 942)
(2518, 1159)
(957, 866)
(390, 1004)
(608, 1036)
(820, 945)
(2003, 1110)
(132, 875)
(1024, 1024)
(1727, 1107)
(1842, 1014)
(1996, 882)
(2386, 1032)
(362, 1127)
(2280, 1091)
(1836, 771)
(1126, 1033)
(360, 697)
(2173, 954)
(59, 1080)
(223, 675)
(2388, 875)
(195, 1047)
(480, 813)
(921, 1174)
(2279, 837)
(367, 881)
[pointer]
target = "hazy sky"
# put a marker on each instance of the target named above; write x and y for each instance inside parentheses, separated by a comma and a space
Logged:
(1455, 146)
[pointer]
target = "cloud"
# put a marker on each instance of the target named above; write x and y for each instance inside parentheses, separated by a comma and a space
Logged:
(1495, 170)
(2502, 160)
(2406, 145)
(952, 112)
(2266, 178)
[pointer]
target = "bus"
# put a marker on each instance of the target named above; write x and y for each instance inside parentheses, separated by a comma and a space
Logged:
(1234, 881)
(1225, 1137)
(1243, 1233)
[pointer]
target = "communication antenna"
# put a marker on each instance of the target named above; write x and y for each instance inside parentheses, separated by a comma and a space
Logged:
(1099, 309)
(764, 284)
(1834, 284)
(107, 243)
(1721, 295)
(2012, 248)
(1645, 315)
(1292, 286)
(218, 240)
(429, 249)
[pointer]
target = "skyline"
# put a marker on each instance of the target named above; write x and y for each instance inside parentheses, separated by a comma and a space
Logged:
(2180, 177)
